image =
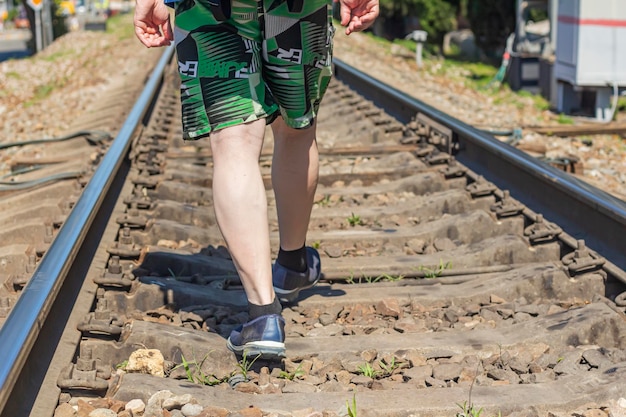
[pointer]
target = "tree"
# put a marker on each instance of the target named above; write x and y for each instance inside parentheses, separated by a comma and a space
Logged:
(436, 17)
(491, 21)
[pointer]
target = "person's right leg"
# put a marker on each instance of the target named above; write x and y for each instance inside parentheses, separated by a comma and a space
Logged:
(241, 205)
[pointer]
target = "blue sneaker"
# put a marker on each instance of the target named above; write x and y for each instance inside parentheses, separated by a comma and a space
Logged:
(264, 336)
(288, 283)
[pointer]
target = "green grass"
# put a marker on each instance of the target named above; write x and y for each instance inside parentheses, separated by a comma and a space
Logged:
(297, 373)
(13, 74)
(195, 374)
(59, 55)
(468, 410)
(355, 220)
(539, 102)
(368, 370)
(564, 120)
(245, 364)
(435, 271)
(476, 75)
(42, 92)
(351, 408)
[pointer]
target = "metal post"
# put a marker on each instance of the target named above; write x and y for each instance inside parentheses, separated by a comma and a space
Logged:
(49, 38)
(38, 30)
(420, 37)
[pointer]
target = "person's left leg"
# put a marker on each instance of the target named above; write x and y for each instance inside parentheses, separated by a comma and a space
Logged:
(295, 167)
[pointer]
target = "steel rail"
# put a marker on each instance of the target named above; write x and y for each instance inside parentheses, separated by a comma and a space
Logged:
(582, 210)
(23, 325)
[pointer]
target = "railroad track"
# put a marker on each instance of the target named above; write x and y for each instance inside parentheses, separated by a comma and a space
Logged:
(459, 275)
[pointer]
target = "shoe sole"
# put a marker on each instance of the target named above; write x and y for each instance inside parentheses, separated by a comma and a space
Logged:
(262, 350)
(291, 296)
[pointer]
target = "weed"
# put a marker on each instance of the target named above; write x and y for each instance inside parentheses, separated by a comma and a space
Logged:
(122, 365)
(42, 92)
(351, 409)
(57, 55)
(355, 220)
(437, 271)
(391, 278)
(564, 120)
(244, 364)
(195, 374)
(324, 202)
(372, 280)
(297, 373)
(539, 102)
(388, 367)
(317, 244)
(367, 370)
(468, 410)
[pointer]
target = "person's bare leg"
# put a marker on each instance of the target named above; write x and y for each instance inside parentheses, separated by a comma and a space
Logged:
(295, 167)
(241, 206)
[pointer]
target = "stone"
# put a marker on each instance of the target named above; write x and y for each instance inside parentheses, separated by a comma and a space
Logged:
(102, 412)
(447, 371)
(419, 373)
(211, 411)
(307, 412)
(248, 412)
(191, 410)
(389, 308)
(436, 383)
(504, 375)
(65, 410)
(409, 325)
(369, 355)
(298, 387)
(330, 330)
(84, 408)
(176, 401)
(156, 400)
(594, 412)
(136, 406)
(146, 361)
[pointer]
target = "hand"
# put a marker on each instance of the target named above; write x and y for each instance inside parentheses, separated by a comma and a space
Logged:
(358, 15)
(152, 23)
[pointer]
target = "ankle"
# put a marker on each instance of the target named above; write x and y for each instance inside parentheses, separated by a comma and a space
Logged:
(294, 260)
(255, 311)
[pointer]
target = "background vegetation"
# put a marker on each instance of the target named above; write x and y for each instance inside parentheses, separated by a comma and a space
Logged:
(491, 21)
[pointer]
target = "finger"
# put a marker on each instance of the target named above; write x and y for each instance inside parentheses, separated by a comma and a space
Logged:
(150, 38)
(346, 14)
(168, 33)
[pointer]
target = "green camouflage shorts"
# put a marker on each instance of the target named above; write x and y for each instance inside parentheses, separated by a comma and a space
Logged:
(264, 61)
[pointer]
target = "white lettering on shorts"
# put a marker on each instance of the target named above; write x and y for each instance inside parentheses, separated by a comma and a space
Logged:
(293, 55)
(188, 68)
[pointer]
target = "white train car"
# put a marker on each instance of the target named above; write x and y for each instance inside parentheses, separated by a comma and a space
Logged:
(590, 53)
(576, 57)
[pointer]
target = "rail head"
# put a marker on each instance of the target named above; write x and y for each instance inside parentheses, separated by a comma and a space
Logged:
(586, 212)
(22, 327)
